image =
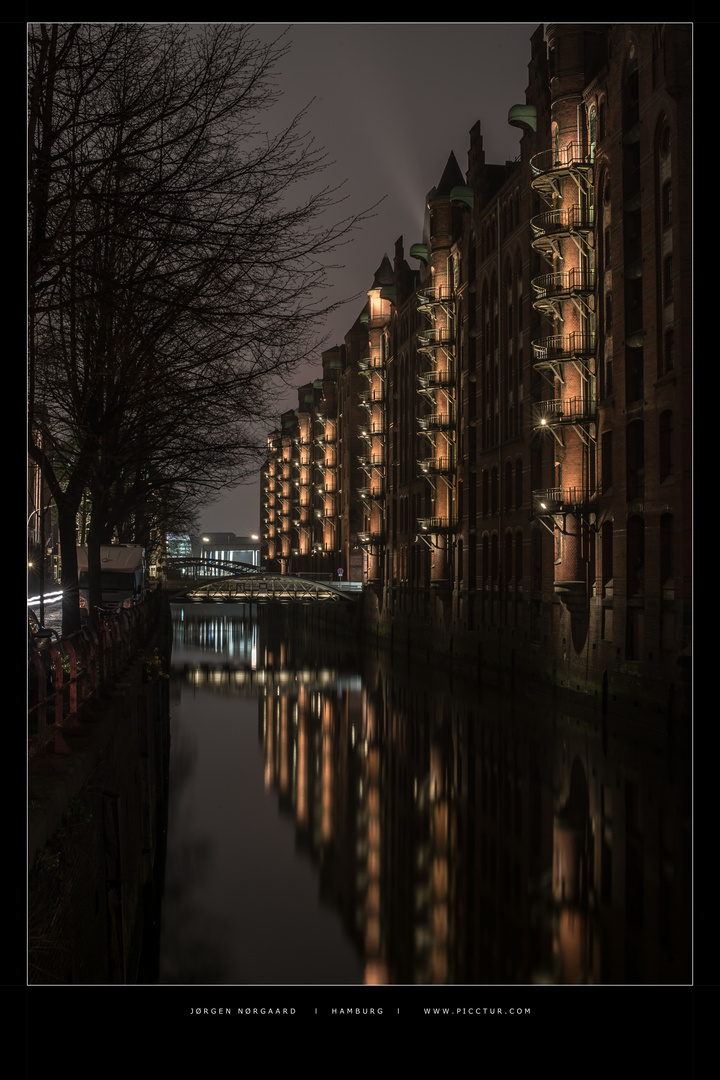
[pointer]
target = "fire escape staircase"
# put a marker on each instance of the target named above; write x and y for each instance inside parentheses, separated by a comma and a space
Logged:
(437, 421)
(553, 291)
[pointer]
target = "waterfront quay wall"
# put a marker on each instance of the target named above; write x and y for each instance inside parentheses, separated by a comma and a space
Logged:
(96, 830)
(548, 661)
(562, 656)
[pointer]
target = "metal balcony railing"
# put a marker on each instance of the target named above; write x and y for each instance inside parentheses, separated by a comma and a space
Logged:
(368, 398)
(370, 537)
(372, 491)
(569, 219)
(429, 297)
(559, 500)
(368, 364)
(562, 347)
(371, 461)
(443, 524)
(435, 337)
(563, 411)
(369, 431)
(440, 421)
(436, 465)
(432, 380)
(565, 283)
(571, 157)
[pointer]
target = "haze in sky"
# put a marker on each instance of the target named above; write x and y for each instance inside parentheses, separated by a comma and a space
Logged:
(388, 102)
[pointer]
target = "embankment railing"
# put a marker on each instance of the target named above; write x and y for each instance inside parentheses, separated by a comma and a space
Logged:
(69, 677)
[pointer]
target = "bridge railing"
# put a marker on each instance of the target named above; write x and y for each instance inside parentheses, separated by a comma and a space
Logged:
(187, 565)
(271, 587)
(67, 676)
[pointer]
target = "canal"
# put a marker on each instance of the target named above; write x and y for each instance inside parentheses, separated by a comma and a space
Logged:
(343, 816)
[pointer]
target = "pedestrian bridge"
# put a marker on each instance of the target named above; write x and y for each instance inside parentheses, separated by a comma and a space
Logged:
(262, 588)
(193, 566)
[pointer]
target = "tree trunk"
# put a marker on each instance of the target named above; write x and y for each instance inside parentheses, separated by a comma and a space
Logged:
(69, 572)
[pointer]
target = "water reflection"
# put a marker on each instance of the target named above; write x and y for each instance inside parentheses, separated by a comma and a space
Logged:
(336, 818)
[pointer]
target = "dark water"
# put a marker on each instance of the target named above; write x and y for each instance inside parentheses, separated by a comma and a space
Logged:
(338, 818)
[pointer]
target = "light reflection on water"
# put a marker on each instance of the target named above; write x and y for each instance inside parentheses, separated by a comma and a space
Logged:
(244, 900)
(401, 827)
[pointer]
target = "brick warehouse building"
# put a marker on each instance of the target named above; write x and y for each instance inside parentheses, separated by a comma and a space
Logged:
(501, 448)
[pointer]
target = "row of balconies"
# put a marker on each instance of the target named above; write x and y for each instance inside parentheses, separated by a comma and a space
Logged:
(547, 502)
(551, 290)
(575, 286)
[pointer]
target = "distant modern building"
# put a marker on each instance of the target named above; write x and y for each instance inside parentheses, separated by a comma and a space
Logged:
(219, 548)
(179, 545)
(501, 448)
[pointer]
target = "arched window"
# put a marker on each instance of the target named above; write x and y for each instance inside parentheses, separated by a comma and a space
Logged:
(606, 462)
(508, 567)
(664, 235)
(592, 126)
(635, 556)
(518, 557)
(606, 551)
(635, 460)
(508, 493)
(631, 91)
(667, 550)
(666, 444)
(666, 203)
(536, 551)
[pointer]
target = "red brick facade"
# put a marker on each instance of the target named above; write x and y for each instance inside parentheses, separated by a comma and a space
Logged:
(507, 427)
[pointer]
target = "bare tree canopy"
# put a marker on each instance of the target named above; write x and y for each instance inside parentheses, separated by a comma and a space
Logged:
(179, 257)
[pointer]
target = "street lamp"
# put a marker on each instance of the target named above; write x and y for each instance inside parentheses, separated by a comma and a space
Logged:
(39, 510)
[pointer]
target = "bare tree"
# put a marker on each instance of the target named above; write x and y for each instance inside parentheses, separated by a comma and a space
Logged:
(174, 271)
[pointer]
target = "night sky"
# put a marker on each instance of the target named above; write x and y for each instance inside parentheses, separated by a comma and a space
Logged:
(389, 104)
